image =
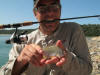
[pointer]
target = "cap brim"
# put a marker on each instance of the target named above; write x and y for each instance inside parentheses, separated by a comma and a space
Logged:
(38, 2)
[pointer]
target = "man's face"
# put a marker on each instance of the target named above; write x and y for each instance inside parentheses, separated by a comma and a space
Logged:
(48, 10)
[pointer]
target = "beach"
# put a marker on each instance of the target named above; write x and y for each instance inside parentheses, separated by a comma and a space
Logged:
(94, 48)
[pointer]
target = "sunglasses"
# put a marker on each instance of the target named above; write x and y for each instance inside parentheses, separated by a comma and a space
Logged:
(45, 9)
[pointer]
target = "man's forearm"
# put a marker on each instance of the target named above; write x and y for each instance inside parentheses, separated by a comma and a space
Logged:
(19, 68)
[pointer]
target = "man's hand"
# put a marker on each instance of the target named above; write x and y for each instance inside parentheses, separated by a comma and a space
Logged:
(31, 53)
(57, 60)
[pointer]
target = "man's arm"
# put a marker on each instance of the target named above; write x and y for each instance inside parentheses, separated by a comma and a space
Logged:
(20, 57)
(31, 53)
(13, 66)
(79, 61)
(19, 68)
(76, 60)
(7, 68)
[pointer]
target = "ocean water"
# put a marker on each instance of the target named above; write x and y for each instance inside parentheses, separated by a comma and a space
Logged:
(4, 49)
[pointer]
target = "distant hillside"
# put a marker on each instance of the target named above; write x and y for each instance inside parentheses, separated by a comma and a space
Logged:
(89, 30)
(12, 31)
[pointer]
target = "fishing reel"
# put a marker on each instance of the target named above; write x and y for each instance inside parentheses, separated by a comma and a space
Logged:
(18, 38)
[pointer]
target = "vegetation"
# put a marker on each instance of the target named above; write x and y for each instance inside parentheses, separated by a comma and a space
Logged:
(89, 30)
(13, 30)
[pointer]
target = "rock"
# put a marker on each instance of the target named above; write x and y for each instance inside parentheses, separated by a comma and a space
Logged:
(94, 48)
(99, 67)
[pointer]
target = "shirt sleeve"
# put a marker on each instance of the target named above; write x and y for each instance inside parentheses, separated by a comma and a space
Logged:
(7, 68)
(78, 59)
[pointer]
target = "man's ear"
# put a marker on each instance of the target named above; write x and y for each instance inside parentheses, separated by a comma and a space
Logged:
(34, 12)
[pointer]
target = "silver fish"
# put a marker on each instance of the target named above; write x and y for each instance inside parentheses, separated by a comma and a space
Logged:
(52, 51)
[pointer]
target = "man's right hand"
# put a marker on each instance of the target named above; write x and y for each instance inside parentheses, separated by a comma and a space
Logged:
(31, 53)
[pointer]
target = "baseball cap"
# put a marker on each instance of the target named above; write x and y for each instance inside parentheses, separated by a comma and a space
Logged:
(37, 1)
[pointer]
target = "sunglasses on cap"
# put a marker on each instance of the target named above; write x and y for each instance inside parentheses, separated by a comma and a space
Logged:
(47, 8)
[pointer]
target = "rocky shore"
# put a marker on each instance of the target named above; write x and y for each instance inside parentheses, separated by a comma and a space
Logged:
(94, 48)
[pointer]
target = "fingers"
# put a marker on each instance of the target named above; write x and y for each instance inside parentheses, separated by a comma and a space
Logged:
(31, 53)
(61, 62)
(34, 55)
(64, 58)
(42, 61)
(60, 45)
(52, 60)
(23, 59)
(35, 48)
(35, 61)
(56, 60)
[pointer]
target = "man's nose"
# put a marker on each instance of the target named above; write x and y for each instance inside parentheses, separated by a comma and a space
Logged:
(50, 12)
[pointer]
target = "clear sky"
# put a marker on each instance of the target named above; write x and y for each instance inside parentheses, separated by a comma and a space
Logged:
(15, 11)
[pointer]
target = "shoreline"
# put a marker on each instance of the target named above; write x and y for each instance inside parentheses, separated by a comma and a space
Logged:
(4, 34)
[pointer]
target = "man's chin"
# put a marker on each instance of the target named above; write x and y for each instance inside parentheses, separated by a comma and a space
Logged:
(51, 29)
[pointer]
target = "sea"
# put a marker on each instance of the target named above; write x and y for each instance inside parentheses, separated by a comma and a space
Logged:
(4, 49)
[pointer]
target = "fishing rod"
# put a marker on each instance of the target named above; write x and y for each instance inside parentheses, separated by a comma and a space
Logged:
(22, 37)
(31, 23)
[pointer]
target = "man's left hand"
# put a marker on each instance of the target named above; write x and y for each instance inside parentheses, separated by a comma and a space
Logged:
(59, 61)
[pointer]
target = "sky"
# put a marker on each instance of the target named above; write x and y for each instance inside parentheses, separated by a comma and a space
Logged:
(18, 11)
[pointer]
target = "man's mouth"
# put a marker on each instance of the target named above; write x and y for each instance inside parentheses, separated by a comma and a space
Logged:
(51, 20)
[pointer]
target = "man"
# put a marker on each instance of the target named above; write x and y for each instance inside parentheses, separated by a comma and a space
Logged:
(28, 59)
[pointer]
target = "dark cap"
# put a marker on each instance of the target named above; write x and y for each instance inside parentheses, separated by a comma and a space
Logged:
(37, 1)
